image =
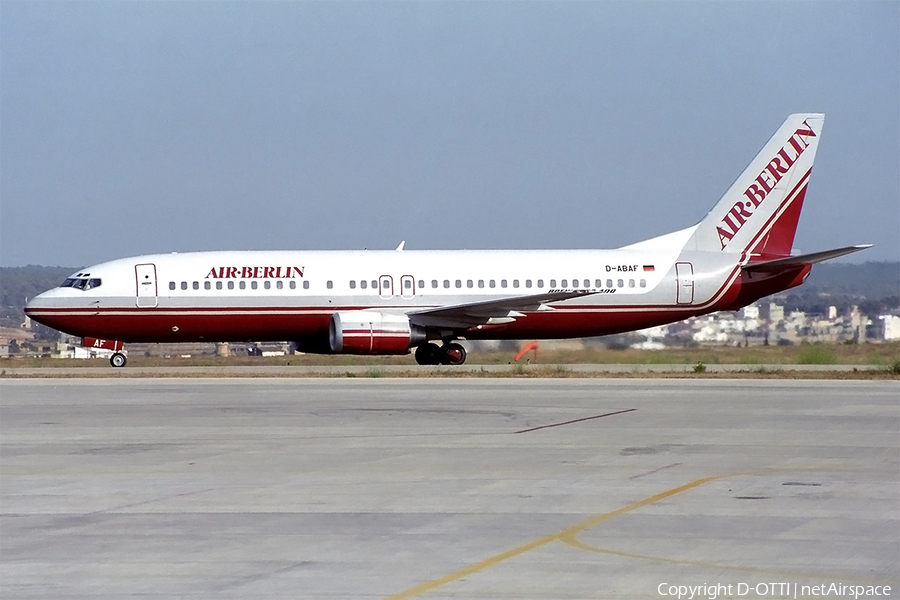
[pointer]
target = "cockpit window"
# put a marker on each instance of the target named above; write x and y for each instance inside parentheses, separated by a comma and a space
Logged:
(82, 283)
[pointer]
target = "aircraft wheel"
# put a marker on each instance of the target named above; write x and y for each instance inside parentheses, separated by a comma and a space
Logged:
(118, 360)
(453, 354)
(428, 354)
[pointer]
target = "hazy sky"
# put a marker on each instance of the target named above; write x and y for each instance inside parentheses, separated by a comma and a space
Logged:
(138, 127)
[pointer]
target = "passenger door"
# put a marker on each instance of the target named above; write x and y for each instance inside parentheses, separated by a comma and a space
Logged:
(145, 280)
(684, 273)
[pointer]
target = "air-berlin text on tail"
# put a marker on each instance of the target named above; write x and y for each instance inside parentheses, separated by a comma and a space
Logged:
(764, 183)
(254, 273)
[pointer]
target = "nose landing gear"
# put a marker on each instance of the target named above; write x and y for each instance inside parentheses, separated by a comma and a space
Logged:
(448, 354)
(118, 360)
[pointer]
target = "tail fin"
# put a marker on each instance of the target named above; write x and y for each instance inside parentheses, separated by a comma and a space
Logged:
(758, 214)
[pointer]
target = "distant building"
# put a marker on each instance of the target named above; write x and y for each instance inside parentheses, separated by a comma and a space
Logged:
(890, 327)
(858, 323)
(776, 313)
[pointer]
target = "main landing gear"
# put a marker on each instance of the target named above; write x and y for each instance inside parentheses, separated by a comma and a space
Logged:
(118, 360)
(448, 354)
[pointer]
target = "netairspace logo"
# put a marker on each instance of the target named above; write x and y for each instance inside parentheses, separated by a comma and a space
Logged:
(771, 590)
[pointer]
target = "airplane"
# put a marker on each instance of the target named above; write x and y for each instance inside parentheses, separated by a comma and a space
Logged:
(394, 301)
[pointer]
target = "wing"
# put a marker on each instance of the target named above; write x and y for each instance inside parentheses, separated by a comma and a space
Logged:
(780, 264)
(490, 312)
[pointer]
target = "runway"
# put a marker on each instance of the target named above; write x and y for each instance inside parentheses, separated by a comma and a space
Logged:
(469, 370)
(416, 488)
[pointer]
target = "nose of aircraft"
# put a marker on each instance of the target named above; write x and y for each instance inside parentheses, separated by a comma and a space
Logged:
(45, 300)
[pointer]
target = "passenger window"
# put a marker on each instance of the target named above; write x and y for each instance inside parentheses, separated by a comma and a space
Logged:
(267, 285)
(253, 285)
(196, 285)
(643, 283)
(352, 284)
(279, 285)
(434, 283)
(374, 284)
(470, 284)
(207, 285)
(631, 283)
(171, 285)
(492, 283)
(243, 285)
(446, 283)
(184, 285)
(421, 284)
(552, 283)
(598, 283)
(528, 283)
(218, 285)
(230, 285)
(540, 283)
(515, 283)
(363, 284)
(564, 283)
(621, 283)
(329, 284)
(305, 285)
(407, 284)
(503, 283)
(481, 283)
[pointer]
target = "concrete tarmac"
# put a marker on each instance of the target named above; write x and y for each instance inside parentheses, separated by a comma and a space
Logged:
(412, 370)
(381, 488)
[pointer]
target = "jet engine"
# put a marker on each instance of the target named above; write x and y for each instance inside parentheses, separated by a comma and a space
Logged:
(368, 332)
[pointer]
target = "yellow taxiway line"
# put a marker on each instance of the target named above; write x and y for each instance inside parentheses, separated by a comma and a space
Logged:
(565, 536)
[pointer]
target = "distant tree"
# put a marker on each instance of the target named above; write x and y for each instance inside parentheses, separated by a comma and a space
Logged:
(20, 283)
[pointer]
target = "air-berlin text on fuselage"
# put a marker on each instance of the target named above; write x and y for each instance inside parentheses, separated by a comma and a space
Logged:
(777, 168)
(254, 273)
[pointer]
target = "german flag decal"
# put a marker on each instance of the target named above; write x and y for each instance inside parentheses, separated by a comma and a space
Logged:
(649, 268)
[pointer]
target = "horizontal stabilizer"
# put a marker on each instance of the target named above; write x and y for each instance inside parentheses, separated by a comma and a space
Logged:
(780, 264)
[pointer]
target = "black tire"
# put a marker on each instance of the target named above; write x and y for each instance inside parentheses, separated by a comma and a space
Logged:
(429, 354)
(118, 360)
(453, 354)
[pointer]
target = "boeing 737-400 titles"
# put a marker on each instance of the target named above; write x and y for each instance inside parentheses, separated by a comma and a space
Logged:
(389, 302)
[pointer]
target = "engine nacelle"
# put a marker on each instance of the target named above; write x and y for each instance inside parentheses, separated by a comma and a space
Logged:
(368, 332)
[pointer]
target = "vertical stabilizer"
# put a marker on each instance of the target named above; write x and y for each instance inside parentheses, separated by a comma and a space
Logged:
(758, 214)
